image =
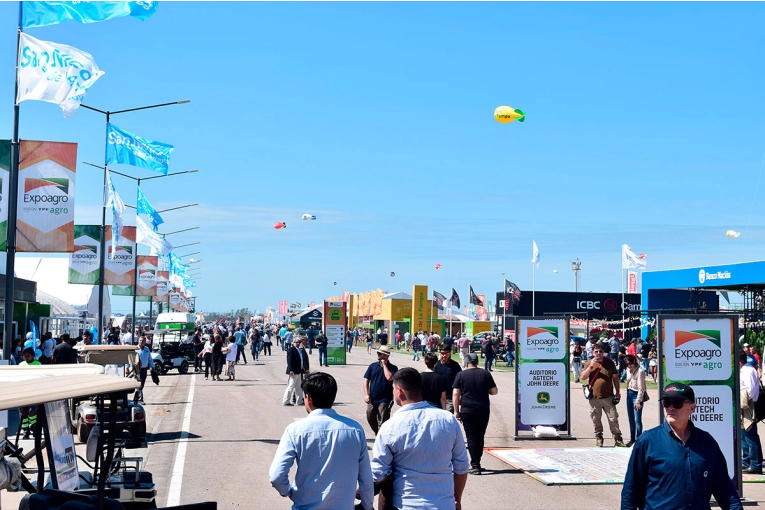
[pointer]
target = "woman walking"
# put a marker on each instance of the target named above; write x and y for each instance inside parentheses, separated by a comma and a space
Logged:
(217, 357)
(635, 396)
(653, 362)
(206, 355)
(266, 342)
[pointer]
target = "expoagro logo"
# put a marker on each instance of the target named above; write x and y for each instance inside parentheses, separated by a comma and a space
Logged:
(700, 353)
(48, 185)
(542, 338)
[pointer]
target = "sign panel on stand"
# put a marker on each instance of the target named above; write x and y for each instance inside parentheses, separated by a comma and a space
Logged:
(542, 394)
(61, 454)
(335, 318)
(702, 352)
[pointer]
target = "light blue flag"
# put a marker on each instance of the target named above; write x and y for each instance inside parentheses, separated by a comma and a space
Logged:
(130, 149)
(143, 207)
(41, 14)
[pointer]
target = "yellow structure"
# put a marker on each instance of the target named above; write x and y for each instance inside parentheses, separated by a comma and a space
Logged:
(398, 310)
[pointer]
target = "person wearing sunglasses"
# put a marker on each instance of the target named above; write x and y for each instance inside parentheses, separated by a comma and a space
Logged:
(677, 465)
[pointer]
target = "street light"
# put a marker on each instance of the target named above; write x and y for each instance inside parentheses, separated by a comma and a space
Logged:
(102, 261)
(135, 268)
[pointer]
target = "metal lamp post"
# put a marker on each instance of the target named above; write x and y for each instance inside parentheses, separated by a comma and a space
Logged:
(102, 258)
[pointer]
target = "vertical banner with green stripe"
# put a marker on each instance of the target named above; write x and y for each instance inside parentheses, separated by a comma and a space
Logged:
(702, 352)
(5, 168)
(84, 260)
(542, 375)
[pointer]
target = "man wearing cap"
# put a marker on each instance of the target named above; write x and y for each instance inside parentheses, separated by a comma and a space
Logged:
(677, 465)
(751, 457)
(603, 379)
(448, 369)
(378, 389)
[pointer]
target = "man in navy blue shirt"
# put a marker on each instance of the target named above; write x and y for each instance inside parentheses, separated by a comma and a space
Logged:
(677, 465)
(378, 388)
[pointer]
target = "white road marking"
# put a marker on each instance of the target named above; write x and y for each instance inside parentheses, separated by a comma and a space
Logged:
(174, 494)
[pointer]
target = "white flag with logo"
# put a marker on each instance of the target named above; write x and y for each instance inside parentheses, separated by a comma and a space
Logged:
(145, 235)
(535, 253)
(630, 260)
(54, 73)
(118, 209)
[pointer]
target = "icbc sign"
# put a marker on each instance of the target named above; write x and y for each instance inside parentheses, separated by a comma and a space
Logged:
(610, 305)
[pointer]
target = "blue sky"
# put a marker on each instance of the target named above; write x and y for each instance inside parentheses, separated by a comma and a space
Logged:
(644, 126)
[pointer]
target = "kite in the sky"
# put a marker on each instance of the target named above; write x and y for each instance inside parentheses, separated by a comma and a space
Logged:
(392, 274)
(438, 266)
(308, 217)
(507, 114)
(279, 225)
(732, 233)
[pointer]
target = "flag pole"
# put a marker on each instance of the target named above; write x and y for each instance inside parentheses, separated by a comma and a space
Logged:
(13, 199)
(533, 291)
(622, 304)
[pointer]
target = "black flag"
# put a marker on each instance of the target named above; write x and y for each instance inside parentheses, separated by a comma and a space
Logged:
(438, 300)
(512, 292)
(475, 300)
(455, 299)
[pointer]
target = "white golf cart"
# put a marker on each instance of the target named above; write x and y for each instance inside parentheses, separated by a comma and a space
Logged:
(116, 482)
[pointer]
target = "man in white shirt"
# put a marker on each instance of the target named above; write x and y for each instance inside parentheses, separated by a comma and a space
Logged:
(751, 458)
(330, 451)
(421, 449)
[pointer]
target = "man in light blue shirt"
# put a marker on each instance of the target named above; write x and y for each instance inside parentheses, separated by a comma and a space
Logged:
(330, 451)
(422, 448)
(286, 340)
(146, 362)
(240, 339)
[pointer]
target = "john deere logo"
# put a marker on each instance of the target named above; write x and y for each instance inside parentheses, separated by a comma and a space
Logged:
(543, 397)
(335, 315)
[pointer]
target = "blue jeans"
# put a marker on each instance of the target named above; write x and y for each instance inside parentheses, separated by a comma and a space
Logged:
(510, 357)
(487, 363)
(322, 355)
(577, 368)
(634, 416)
(644, 364)
(255, 351)
(416, 356)
(752, 448)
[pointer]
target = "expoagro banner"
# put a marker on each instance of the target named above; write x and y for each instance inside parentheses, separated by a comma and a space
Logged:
(5, 168)
(163, 279)
(541, 377)
(120, 262)
(147, 275)
(84, 261)
(701, 351)
(46, 197)
(334, 320)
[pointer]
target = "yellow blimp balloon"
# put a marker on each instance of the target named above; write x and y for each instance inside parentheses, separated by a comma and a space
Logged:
(506, 114)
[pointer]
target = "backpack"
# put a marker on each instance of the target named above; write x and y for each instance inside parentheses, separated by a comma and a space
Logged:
(759, 406)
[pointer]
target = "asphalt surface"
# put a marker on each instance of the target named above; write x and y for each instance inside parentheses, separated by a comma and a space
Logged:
(235, 427)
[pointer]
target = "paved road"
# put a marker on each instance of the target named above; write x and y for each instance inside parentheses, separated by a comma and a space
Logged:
(234, 428)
